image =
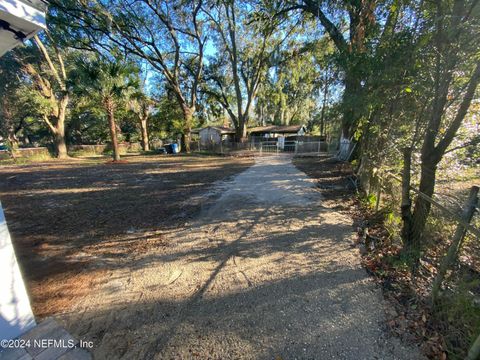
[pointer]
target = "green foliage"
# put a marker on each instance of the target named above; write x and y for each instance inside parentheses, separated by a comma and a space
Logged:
(392, 224)
(36, 158)
(167, 121)
(88, 122)
(368, 200)
(460, 312)
(108, 79)
(17, 101)
(371, 200)
(287, 94)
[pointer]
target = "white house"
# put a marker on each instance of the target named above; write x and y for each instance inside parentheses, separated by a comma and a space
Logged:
(213, 135)
(19, 20)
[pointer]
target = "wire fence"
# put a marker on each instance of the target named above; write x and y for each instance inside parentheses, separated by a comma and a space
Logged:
(267, 147)
(450, 265)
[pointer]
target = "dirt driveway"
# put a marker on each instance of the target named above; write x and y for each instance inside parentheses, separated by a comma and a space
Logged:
(264, 272)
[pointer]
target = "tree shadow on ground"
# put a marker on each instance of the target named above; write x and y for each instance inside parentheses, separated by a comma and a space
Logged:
(69, 217)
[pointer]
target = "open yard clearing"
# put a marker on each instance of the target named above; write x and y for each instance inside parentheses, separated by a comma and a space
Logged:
(147, 263)
(74, 221)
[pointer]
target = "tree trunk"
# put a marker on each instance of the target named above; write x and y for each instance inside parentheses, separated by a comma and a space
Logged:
(431, 156)
(144, 130)
(413, 242)
(59, 134)
(406, 207)
(322, 116)
(186, 139)
(187, 128)
(8, 126)
(351, 110)
(110, 108)
(60, 146)
(57, 128)
(13, 140)
(11, 134)
(241, 130)
(59, 103)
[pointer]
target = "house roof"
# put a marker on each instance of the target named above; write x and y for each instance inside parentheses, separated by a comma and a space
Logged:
(221, 129)
(37, 4)
(291, 129)
(20, 20)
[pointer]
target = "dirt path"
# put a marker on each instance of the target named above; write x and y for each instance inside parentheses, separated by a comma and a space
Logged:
(266, 272)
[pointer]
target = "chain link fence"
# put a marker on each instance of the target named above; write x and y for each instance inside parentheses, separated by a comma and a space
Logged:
(266, 147)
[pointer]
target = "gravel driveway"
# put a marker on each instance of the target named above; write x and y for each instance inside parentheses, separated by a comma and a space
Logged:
(265, 272)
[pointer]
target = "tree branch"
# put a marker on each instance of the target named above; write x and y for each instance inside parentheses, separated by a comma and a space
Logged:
(462, 111)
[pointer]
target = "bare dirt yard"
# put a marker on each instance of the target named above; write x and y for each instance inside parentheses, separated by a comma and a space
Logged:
(198, 258)
(72, 222)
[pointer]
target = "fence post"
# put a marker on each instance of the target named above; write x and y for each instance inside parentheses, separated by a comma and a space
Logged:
(379, 193)
(318, 151)
(456, 244)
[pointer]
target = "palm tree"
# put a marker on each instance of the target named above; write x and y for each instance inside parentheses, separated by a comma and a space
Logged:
(111, 81)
